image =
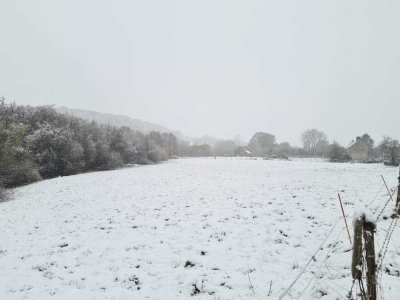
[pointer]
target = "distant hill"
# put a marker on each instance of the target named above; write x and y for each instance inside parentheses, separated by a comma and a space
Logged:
(135, 124)
(207, 139)
(113, 120)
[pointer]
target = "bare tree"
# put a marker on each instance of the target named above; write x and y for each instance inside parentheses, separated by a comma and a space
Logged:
(390, 151)
(314, 141)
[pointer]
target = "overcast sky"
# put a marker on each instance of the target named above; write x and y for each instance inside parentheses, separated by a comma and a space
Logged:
(211, 67)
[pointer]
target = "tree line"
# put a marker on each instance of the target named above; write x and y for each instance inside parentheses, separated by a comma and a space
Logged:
(38, 142)
(315, 143)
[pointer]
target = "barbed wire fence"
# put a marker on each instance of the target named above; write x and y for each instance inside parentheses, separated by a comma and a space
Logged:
(360, 287)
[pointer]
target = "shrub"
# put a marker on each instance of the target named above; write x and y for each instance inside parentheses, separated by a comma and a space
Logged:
(157, 154)
(2, 195)
(115, 160)
(144, 161)
(2, 192)
(23, 173)
(337, 153)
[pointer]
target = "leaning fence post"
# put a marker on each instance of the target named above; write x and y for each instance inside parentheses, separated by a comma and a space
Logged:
(368, 234)
(357, 249)
(344, 217)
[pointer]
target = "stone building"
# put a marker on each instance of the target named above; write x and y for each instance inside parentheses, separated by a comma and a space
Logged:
(359, 151)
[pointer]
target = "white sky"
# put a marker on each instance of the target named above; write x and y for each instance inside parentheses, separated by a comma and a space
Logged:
(211, 67)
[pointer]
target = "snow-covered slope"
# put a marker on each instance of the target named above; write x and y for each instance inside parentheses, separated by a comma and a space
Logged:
(204, 228)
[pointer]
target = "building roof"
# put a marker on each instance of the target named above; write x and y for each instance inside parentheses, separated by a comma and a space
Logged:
(358, 146)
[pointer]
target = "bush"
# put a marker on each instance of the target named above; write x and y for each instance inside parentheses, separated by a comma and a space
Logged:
(23, 173)
(2, 195)
(115, 160)
(2, 192)
(157, 154)
(144, 161)
(337, 153)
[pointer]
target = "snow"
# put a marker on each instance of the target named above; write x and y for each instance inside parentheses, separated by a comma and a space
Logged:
(363, 212)
(202, 228)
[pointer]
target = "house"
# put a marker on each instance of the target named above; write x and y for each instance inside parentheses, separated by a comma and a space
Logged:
(359, 151)
(242, 151)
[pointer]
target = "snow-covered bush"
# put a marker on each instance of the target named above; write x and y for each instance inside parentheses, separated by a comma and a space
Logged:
(115, 160)
(337, 153)
(15, 165)
(157, 154)
(23, 173)
(55, 151)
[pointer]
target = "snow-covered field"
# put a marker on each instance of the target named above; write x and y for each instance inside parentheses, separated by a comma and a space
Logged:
(203, 228)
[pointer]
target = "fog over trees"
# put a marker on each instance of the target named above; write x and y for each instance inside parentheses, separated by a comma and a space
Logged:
(225, 148)
(39, 142)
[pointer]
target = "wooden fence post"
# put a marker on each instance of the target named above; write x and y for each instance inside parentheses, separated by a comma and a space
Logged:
(364, 236)
(368, 234)
(357, 249)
